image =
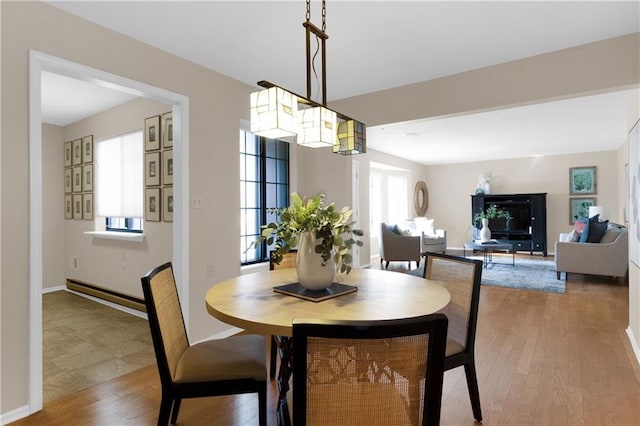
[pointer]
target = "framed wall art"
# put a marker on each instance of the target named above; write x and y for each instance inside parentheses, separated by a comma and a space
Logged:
(87, 178)
(77, 179)
(68, 206)
(579, 207)
(152, 205)
(76, 155)
(167, 204)
(77, 206)
(68, 162)
(152, 169)
(582, 181)
(167, 130)
(152, 133)
(87, 206)
(167, 167)
(87, 149)
(634, 194)
(68, 180)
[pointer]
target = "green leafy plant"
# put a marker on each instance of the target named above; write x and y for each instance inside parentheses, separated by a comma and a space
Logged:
(492, 212)
(333, 230)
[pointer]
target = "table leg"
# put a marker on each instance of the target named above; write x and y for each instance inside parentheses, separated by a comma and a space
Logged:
(284, 374)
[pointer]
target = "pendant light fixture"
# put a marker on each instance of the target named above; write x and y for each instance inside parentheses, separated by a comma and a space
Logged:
(280, 113)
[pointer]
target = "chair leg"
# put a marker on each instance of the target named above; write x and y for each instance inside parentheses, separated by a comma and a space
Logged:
(262, 408)
(274, 355)
(175, 410)
(165, 409)
(474, 393)
(387, 265)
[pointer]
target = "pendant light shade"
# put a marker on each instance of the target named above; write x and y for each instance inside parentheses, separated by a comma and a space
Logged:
(317, 127)
(352, 138)
(273, 113)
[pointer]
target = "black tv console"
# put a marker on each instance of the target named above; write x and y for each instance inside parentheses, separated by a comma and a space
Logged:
(527, 229)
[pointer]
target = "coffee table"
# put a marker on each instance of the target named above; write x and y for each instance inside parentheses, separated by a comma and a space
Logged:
(488, 248)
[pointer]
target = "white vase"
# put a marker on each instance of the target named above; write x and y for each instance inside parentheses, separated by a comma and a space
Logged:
(487, 188)
(312, 274)
(485, 232)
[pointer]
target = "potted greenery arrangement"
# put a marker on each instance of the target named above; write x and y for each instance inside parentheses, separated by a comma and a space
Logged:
(482, 217)
(323, 235)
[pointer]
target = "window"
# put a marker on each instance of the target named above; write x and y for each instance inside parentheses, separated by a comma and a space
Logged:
(264, 184)
(119, 182)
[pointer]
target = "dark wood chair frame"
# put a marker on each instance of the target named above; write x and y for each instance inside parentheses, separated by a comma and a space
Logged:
(466, 358)
(275, 340)
(435, 325)
(173, 393)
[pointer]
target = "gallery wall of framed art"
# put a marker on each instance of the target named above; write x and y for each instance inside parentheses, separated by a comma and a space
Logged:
(78, 178)
(158, 169)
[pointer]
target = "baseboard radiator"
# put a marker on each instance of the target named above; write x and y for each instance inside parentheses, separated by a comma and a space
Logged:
(107, 294)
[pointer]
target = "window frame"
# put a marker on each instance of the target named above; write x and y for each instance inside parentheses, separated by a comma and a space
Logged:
(265, 155)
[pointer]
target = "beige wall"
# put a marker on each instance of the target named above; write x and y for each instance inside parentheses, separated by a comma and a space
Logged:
(53, 206)
(114, 264)
(592, 68)
(451, 187)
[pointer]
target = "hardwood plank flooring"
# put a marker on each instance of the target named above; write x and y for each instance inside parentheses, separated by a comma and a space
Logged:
(542, 359)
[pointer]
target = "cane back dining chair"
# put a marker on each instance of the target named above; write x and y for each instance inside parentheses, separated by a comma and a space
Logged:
(343, 371)
(216, 367)
(288, 262)
(461, 277)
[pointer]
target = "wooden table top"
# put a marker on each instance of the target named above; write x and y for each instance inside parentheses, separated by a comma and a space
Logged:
(249, 302)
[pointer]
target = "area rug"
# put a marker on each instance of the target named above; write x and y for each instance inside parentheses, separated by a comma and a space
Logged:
(528, 274)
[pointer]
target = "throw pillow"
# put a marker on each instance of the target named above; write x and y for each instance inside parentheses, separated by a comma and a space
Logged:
(596, 231)
(581, 223)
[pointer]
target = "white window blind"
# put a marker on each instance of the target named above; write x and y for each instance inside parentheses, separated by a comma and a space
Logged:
(119, 176)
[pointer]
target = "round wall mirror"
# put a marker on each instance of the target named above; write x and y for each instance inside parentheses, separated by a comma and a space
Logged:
(421, 198)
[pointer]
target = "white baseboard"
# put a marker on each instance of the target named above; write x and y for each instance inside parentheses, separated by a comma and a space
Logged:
(14, 415)
(634, 344)
(53, 289)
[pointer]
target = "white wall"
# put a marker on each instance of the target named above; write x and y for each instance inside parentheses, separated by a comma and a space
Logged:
(114, 264)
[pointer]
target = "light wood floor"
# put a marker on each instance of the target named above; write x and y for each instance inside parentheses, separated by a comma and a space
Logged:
(542, 358)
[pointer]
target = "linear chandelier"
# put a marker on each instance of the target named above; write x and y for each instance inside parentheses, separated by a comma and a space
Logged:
(279, 113)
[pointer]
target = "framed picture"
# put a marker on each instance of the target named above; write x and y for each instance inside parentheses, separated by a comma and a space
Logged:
(68, 206)
(87, 149)
(167, 204)
(87, 178)
(87, 206)
(77, 179)
(579, 207)
(167, 167)
(152, 205)
(68, 162)
(152, 169)
(76, 155)
(152, 133)
(68, 180)
(167, 130)
(77, 206)
(582, 181)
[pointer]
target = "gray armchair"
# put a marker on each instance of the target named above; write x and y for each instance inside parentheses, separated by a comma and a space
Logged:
(395, 247)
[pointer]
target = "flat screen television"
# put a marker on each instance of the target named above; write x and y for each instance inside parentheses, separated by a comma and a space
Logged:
(520, 222)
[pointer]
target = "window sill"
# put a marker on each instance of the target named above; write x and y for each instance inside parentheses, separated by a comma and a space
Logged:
(250, 269)
(122, 236)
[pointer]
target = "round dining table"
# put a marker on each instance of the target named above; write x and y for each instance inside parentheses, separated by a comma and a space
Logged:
(250, 302)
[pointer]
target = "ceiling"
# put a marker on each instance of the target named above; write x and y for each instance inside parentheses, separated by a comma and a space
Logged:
(397, 43)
